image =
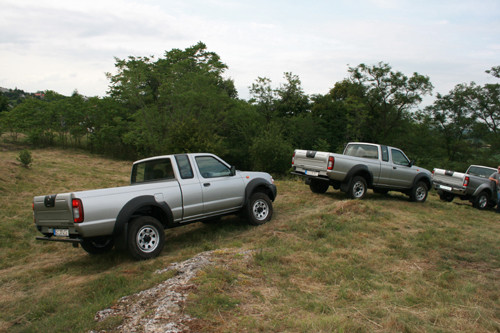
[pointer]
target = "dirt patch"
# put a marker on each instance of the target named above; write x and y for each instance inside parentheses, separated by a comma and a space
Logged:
(160, 309)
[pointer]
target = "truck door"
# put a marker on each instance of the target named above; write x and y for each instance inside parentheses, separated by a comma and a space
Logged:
(192, 197)
(402, 174)
(385, 168)
(221, 190)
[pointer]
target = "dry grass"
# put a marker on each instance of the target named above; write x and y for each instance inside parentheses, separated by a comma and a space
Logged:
(323, 264)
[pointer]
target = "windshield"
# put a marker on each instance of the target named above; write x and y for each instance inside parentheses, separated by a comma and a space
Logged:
(160, 169)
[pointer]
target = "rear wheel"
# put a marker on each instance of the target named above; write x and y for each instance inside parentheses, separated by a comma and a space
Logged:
(481, 200)
(445, 196)
(357, 188)
(146, 237)
(259, 209)
(419, 192)
(318, 186)
(97, 245)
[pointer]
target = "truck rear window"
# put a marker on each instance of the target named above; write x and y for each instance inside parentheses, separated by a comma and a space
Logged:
(480, 171)
(361, 150)
(153, 170)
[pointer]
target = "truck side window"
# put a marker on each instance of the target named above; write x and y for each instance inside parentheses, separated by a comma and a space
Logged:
(399, 158)
(385, 153)
(184, 166)
(210, 167)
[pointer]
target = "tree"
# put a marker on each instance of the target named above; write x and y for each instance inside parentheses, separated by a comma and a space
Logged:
(352, 117)
(184, 90)
(264, 98)
(487, 107)
(389, 96)
(270, 150)
(4, 103)
(454, 116)
(292, 101)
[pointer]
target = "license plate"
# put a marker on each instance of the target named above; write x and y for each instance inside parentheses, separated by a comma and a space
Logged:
(446, 188)
(61, 232)
(312, 173)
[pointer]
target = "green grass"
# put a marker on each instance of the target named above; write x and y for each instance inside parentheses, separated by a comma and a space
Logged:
(323, 264)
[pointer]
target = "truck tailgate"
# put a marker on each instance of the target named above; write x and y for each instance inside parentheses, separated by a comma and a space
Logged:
(449, 178)
(53, 210)
(311, 160)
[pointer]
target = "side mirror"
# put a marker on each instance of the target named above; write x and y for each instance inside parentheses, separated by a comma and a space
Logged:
(412, 162)
(233, 170)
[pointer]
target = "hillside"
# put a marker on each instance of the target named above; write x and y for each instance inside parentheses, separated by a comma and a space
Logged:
(322, 264)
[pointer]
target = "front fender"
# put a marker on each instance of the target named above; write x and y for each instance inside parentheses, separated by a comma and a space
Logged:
(260, 184)
(423, 177)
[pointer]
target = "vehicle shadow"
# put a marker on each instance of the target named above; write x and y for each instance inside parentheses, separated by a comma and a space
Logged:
(196, 236)
(370, 195)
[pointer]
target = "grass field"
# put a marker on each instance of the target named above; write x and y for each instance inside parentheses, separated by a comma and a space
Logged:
(323, 264)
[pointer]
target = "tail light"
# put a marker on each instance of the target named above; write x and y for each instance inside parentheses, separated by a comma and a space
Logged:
(466, 181)
(77, 210)
(293, 158)
(331, 163)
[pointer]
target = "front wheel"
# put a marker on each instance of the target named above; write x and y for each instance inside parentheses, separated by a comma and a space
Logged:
(259, 209)
(481, 201)
(419, 192)
(97, 245)
(146, 237)
(357, 188)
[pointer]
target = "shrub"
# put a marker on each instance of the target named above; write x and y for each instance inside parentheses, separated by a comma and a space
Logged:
(25, 158)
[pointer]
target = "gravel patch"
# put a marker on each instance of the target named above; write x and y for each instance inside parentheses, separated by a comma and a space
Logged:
(160, 309)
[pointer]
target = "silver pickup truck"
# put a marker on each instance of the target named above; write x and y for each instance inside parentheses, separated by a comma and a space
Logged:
(473, 185)
(362, 166)
(165, 192)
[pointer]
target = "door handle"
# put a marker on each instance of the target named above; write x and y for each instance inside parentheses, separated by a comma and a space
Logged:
(394, 167)
(206, 184)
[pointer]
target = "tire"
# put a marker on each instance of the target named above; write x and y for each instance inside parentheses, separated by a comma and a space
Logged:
(481, 201)
(97, 245)
(146, 238)
(357, 188)
(445, 196)
(259, 209)
(419, 192)
(318, 186)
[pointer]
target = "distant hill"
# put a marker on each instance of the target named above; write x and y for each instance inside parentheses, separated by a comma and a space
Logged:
(15, 97)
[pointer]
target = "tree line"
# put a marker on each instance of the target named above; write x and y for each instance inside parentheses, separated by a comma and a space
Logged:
(182, 102)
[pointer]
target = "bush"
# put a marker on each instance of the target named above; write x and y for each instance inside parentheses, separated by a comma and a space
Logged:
(25, 158)
(271, 152)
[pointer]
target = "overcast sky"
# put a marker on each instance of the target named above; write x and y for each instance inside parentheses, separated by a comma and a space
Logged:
(68, 45)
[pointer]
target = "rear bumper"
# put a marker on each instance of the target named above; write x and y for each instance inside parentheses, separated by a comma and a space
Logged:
(57, 239)
(449, 189)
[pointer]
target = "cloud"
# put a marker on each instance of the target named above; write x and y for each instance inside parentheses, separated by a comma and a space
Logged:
(50, 44)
